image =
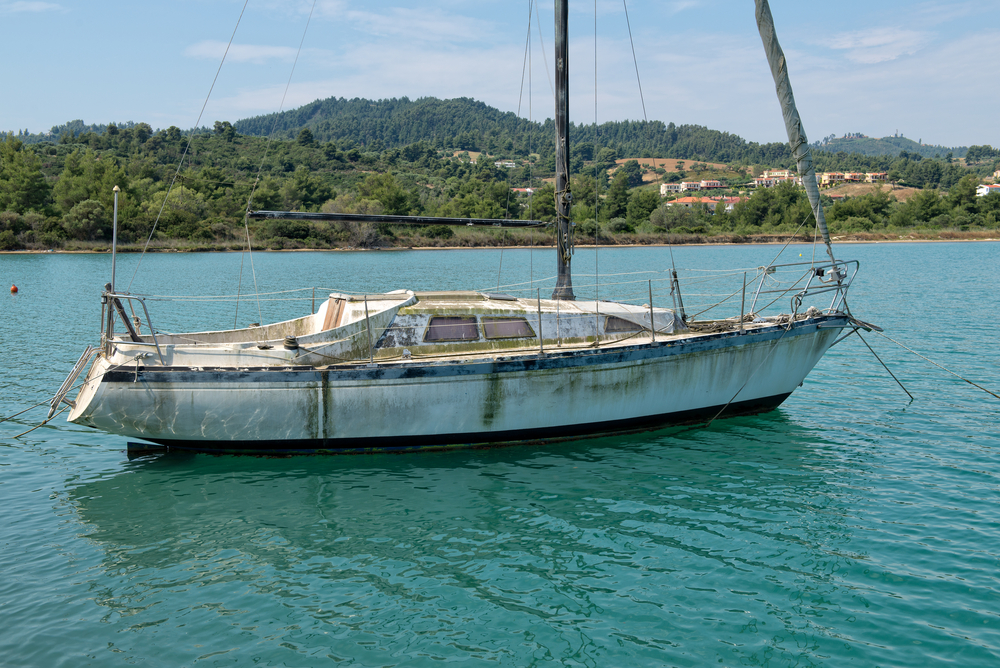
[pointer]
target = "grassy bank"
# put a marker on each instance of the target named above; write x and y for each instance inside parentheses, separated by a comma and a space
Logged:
(521, 239)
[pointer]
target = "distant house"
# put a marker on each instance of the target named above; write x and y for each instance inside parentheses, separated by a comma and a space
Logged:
(705, 185)
(689, 202)
(505, 163)
(729, 203)
(527, 191)
(667, 188)
(765, 182)
(832, 179)
(777, 174)
(690, 185)
(983, 191)
(854, 177)
(876, 177)
(996, 175)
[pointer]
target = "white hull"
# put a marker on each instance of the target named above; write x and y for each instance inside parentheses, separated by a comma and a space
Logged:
(410, 404)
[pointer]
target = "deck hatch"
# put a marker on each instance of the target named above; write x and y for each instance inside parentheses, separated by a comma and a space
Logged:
(506, 328)
(452, 328)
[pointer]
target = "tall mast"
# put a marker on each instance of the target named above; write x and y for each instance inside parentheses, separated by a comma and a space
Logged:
(793, 123)
(564, 242)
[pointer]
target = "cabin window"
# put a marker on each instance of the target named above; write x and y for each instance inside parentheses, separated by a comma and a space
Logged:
(507, 328)
(452, 328)
(615, 324)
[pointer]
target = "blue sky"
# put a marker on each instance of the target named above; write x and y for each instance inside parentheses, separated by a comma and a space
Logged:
(925, 69)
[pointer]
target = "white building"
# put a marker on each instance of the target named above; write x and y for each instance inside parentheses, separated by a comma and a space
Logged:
(983, 191)
(668, 188)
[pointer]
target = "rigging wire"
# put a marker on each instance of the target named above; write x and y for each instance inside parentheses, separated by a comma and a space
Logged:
(525, 72)
(187, 148)
(541, 40)
(270, 137)
(635, 61)
(597, 184)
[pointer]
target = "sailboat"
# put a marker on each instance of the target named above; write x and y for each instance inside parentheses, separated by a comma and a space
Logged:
(409, 370)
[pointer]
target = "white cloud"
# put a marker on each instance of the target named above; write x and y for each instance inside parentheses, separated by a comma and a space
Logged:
(25, 7)
(680, 5)
(877, 45)
(426, 24)
(938, 94)
(240, 53)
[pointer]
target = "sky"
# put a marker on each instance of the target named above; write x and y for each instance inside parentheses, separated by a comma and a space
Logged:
(923, 69)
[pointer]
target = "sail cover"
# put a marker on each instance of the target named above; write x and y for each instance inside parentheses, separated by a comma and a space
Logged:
(793, 124)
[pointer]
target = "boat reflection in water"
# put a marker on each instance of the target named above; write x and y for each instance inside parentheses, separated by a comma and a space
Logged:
(613, 545)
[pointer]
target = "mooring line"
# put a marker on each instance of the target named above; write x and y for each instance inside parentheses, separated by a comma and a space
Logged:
(883, 364)
(42, 424)
(11, 417)
(938, 365)
(77, 386)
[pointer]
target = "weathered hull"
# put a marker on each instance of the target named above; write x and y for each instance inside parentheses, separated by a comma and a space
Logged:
(421, 405)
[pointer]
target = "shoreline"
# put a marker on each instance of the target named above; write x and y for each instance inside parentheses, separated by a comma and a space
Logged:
(769, 242)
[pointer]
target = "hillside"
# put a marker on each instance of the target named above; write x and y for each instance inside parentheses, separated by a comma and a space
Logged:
(470, 125)
(887, 146)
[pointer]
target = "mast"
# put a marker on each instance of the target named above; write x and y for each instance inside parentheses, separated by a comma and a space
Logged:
(793, 123)
(564, 240)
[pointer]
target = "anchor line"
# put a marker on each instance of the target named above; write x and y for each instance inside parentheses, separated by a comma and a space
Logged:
(938, 365)
(883, 363)
(77, 386)
(42, 424)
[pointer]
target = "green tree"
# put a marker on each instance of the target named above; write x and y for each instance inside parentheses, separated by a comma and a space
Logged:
(226, 130)
(304, 191)
(182, 211)
(385, 189)
(87, 221)
(634, 173)
(87, 175)
(962, 195)
(542, 203)
(641, 204)
(22, 184)
(305, 138)
(617, 199)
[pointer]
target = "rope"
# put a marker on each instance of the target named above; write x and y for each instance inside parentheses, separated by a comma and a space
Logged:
(42, 424)
(938, 365)
(43, 403)
(187, 148)
(78, 385)
(883, 364)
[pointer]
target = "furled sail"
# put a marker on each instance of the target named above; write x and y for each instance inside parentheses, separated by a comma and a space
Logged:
(793, 124)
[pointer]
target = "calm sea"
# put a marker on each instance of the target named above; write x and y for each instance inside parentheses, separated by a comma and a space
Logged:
(851, 526)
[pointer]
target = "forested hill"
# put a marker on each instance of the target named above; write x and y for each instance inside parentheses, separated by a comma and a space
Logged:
(888, 146)
(467, 124)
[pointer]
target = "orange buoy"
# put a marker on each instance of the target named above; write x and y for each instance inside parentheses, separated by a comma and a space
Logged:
(13, 289)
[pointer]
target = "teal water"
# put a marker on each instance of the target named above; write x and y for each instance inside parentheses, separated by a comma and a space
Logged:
(850, 526)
